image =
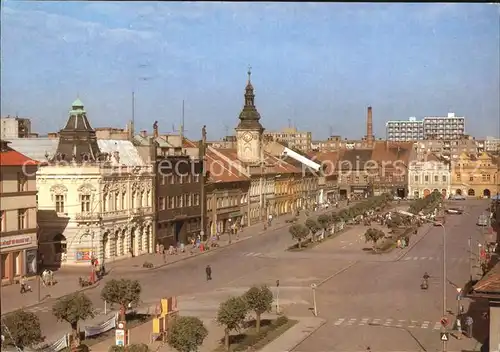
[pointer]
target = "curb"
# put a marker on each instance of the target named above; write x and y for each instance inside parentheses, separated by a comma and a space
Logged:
(399, 257)
(48, 297)
(294, 345)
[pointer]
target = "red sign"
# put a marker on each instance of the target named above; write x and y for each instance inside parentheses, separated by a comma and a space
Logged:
(444, 321)
(15, 241)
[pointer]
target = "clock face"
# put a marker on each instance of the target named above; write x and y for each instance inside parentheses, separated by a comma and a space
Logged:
(247, 137)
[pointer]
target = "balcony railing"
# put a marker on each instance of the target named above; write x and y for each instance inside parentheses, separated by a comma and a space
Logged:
(88, 216)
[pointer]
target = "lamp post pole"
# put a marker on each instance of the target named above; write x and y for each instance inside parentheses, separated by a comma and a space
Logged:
(315, 307)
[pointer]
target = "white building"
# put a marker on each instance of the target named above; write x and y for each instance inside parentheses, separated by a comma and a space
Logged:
(403, 131)
(450, 127)
(491, 144)
(95, 198)
(428, 174)
(14, 127)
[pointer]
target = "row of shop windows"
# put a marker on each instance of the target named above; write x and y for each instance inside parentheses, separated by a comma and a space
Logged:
(18, 263)
(180, 201)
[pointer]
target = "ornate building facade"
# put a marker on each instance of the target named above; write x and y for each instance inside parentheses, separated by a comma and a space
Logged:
(429, 174)
(93, 202)
(475, 175)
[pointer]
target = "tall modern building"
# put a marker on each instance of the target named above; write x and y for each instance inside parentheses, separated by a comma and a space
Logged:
(401, 130)
(449, 127)
(446, 128)
(14, 127)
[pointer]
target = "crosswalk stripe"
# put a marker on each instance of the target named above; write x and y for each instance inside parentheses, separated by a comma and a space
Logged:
(423, 258)
(437, 326)
(340, 321)
(364, 321)
(351, 321)
(415, 258)
(408, 258)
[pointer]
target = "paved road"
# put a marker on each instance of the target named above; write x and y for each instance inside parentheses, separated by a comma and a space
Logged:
(231, 265)
(380, 304)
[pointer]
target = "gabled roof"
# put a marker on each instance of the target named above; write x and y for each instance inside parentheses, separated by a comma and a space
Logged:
(11, 157)
(329, 160)
(355, 159)
(273, 164)
(390, 152)
(490, 283)
(220, 170)
(186, 143)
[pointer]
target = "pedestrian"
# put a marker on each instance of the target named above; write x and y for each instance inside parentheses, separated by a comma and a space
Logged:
(22, 284)
(208, 271)
(468, 325)
(164, 254)
(459, 328)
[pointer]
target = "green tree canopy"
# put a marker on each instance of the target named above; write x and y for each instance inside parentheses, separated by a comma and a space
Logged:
(122, 292)
(72, 309)
(135, 347)
(22, 329)
(298, 232)
(259, 300)
(231, 315)
(187, 334)
(324, 220)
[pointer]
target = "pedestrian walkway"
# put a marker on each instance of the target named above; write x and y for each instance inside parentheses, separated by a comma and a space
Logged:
(456, 260)
(388, 322)
(253, 254)
(295, 335)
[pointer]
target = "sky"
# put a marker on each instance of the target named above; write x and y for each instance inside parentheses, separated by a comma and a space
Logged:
(316, 65)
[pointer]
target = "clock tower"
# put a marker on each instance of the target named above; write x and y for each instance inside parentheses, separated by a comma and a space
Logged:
(249, 131)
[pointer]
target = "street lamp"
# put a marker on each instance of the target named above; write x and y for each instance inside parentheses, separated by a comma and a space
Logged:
(315, 307)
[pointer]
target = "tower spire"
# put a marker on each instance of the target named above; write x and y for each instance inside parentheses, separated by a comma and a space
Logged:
(249, 72)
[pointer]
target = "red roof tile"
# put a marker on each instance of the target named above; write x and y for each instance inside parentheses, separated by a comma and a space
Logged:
(221, 170)
(274, 165)
(186, 143)
(490, 283)
(14, 158)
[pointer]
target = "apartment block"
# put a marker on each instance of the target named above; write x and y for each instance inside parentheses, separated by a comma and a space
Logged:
(451, 127)
(15, 127)
(293, 138)
(404, 131)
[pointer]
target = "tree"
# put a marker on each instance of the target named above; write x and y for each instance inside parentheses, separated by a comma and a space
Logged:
(324, 221)
(298, 232)
(135, 347)
(259, 300)
(373, 235)
(187, 334)
(72, 309)
(122, 292)
(22, 329)
(313, 226)
(231, 315)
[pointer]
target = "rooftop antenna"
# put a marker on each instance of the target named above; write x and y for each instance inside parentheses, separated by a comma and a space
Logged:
(132, 123)
(289, 123)
(330, 130)
(181, 131)
(226, 128)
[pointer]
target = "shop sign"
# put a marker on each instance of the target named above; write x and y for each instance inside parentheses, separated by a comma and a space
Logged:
(84, 254)
(235, 214)
(120, 337)
(13, 241)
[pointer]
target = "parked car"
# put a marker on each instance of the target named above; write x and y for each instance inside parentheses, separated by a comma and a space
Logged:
(482, 220)
(455, 211)
(457, 197)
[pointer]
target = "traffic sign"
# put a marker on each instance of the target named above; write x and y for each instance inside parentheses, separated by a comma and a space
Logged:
(445, 336)
(444, 321)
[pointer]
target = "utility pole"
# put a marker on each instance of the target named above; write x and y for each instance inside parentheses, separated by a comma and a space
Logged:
(132, 123)
(203, 197)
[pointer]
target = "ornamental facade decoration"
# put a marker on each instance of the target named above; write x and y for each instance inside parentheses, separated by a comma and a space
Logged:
(58, 189)
(86, 189)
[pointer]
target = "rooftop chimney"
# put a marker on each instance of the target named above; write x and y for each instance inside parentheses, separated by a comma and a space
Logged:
(369, 127)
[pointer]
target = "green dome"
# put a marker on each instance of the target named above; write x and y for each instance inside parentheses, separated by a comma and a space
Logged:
(77, 103)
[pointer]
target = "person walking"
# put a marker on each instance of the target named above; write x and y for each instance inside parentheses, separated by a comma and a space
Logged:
(459, 328)
(208, 271)
(468, 325)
